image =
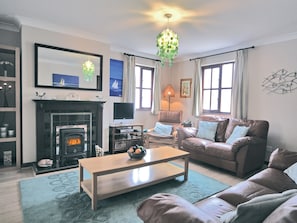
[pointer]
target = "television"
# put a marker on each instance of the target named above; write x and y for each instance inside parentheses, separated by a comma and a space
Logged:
(123, 111)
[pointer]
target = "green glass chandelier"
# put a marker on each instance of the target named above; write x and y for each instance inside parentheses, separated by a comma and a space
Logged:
(167, 43)
(88, 69)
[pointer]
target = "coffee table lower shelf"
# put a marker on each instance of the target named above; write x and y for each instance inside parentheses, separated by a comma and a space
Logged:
(125, 181)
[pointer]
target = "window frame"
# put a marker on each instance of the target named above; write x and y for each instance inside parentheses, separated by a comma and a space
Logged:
(219, 88)
(141, 88)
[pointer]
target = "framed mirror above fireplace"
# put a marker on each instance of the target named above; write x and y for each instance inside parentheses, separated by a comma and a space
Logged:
(57, 67)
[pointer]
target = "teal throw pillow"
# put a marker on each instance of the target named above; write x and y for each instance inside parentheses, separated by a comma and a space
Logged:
(163, 129)
(291, 171)
(238, 131)
(207, 130)
(258, 208)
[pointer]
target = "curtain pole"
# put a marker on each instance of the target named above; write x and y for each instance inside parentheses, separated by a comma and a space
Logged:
(127, 54)
(251, 47)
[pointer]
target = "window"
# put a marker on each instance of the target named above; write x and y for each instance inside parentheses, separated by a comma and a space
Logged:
(217, 88)
(144, 87)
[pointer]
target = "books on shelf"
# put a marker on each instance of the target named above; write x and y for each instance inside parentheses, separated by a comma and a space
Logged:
(7, 158)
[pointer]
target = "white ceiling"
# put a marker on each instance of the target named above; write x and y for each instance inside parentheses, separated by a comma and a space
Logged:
(130, 25)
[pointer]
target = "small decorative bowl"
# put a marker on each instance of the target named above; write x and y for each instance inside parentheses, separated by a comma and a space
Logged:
(137, 156)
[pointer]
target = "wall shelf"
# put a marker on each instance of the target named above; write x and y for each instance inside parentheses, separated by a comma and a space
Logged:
(10, 147)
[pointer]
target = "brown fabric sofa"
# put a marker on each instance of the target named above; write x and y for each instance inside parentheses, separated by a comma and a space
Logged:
(245, 155)
(271, 182)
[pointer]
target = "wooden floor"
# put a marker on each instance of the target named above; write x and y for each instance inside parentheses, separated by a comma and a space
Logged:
(10, 211)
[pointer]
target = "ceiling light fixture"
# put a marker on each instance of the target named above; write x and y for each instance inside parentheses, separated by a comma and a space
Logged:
(88, 68)
(167, 43)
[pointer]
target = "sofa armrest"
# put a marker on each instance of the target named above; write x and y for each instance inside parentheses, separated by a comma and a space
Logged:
(250, 155)
(243, 141)
(281, 159)
(240, 142)
(185, 132)
(170, 208)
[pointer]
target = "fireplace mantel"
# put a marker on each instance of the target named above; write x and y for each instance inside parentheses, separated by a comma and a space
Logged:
(71, 111)
(67, 101)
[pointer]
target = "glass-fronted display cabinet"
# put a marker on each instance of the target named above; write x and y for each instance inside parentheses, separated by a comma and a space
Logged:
(9, 107)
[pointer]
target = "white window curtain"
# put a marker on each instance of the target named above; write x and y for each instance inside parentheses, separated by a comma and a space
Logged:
(129, 79)
(239, 104)
(197, 95)
(156, 90)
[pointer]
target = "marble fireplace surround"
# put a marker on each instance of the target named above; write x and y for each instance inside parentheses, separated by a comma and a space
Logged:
(50, 114)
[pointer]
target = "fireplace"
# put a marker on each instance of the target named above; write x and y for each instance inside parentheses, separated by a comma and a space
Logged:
(71, 145)
(71, 137)
(77, 123)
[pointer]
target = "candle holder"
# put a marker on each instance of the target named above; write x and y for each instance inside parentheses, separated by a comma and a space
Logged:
(40, 96)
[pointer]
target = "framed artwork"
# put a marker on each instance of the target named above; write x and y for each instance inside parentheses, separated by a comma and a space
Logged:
(63, 80)
(185, 88)
(116, 78)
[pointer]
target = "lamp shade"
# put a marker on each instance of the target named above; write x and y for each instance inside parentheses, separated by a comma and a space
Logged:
(169, 91)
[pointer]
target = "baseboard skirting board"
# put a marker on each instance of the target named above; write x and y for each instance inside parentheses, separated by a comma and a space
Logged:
(24, 165)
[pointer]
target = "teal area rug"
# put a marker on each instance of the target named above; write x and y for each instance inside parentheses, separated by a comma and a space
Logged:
(56, 198)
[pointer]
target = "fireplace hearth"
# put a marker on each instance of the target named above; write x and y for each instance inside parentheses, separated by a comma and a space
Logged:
(67, 131)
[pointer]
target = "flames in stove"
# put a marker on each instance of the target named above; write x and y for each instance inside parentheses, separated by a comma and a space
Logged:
(74, 141)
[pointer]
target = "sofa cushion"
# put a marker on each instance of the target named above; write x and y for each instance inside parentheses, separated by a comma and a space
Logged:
(194, 144)
(172, 117)
(275, 179)
(243, 192)
(285, 213)
(220, 134)
(238, 132)
(214, 206)
(232, 198)
(232, 124)
(291, 171)
(222, 125)
(170, 208)
(163, 129)
(281, 159)
(207, 130)
(257, 209)
(220, 150)
(258, 128)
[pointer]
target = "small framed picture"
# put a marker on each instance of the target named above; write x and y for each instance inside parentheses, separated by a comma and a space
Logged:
(185, 88)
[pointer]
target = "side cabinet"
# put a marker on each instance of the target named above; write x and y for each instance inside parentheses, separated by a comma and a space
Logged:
(121, 137)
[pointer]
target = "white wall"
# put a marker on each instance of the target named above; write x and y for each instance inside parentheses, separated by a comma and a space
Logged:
(31, 35)
(142, 117)
(278, 109)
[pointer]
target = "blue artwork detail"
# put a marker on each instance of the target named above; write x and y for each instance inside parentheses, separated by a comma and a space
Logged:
(116, 78)
(63, 80)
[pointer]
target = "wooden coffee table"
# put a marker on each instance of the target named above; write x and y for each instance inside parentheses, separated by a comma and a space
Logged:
(116, 174)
